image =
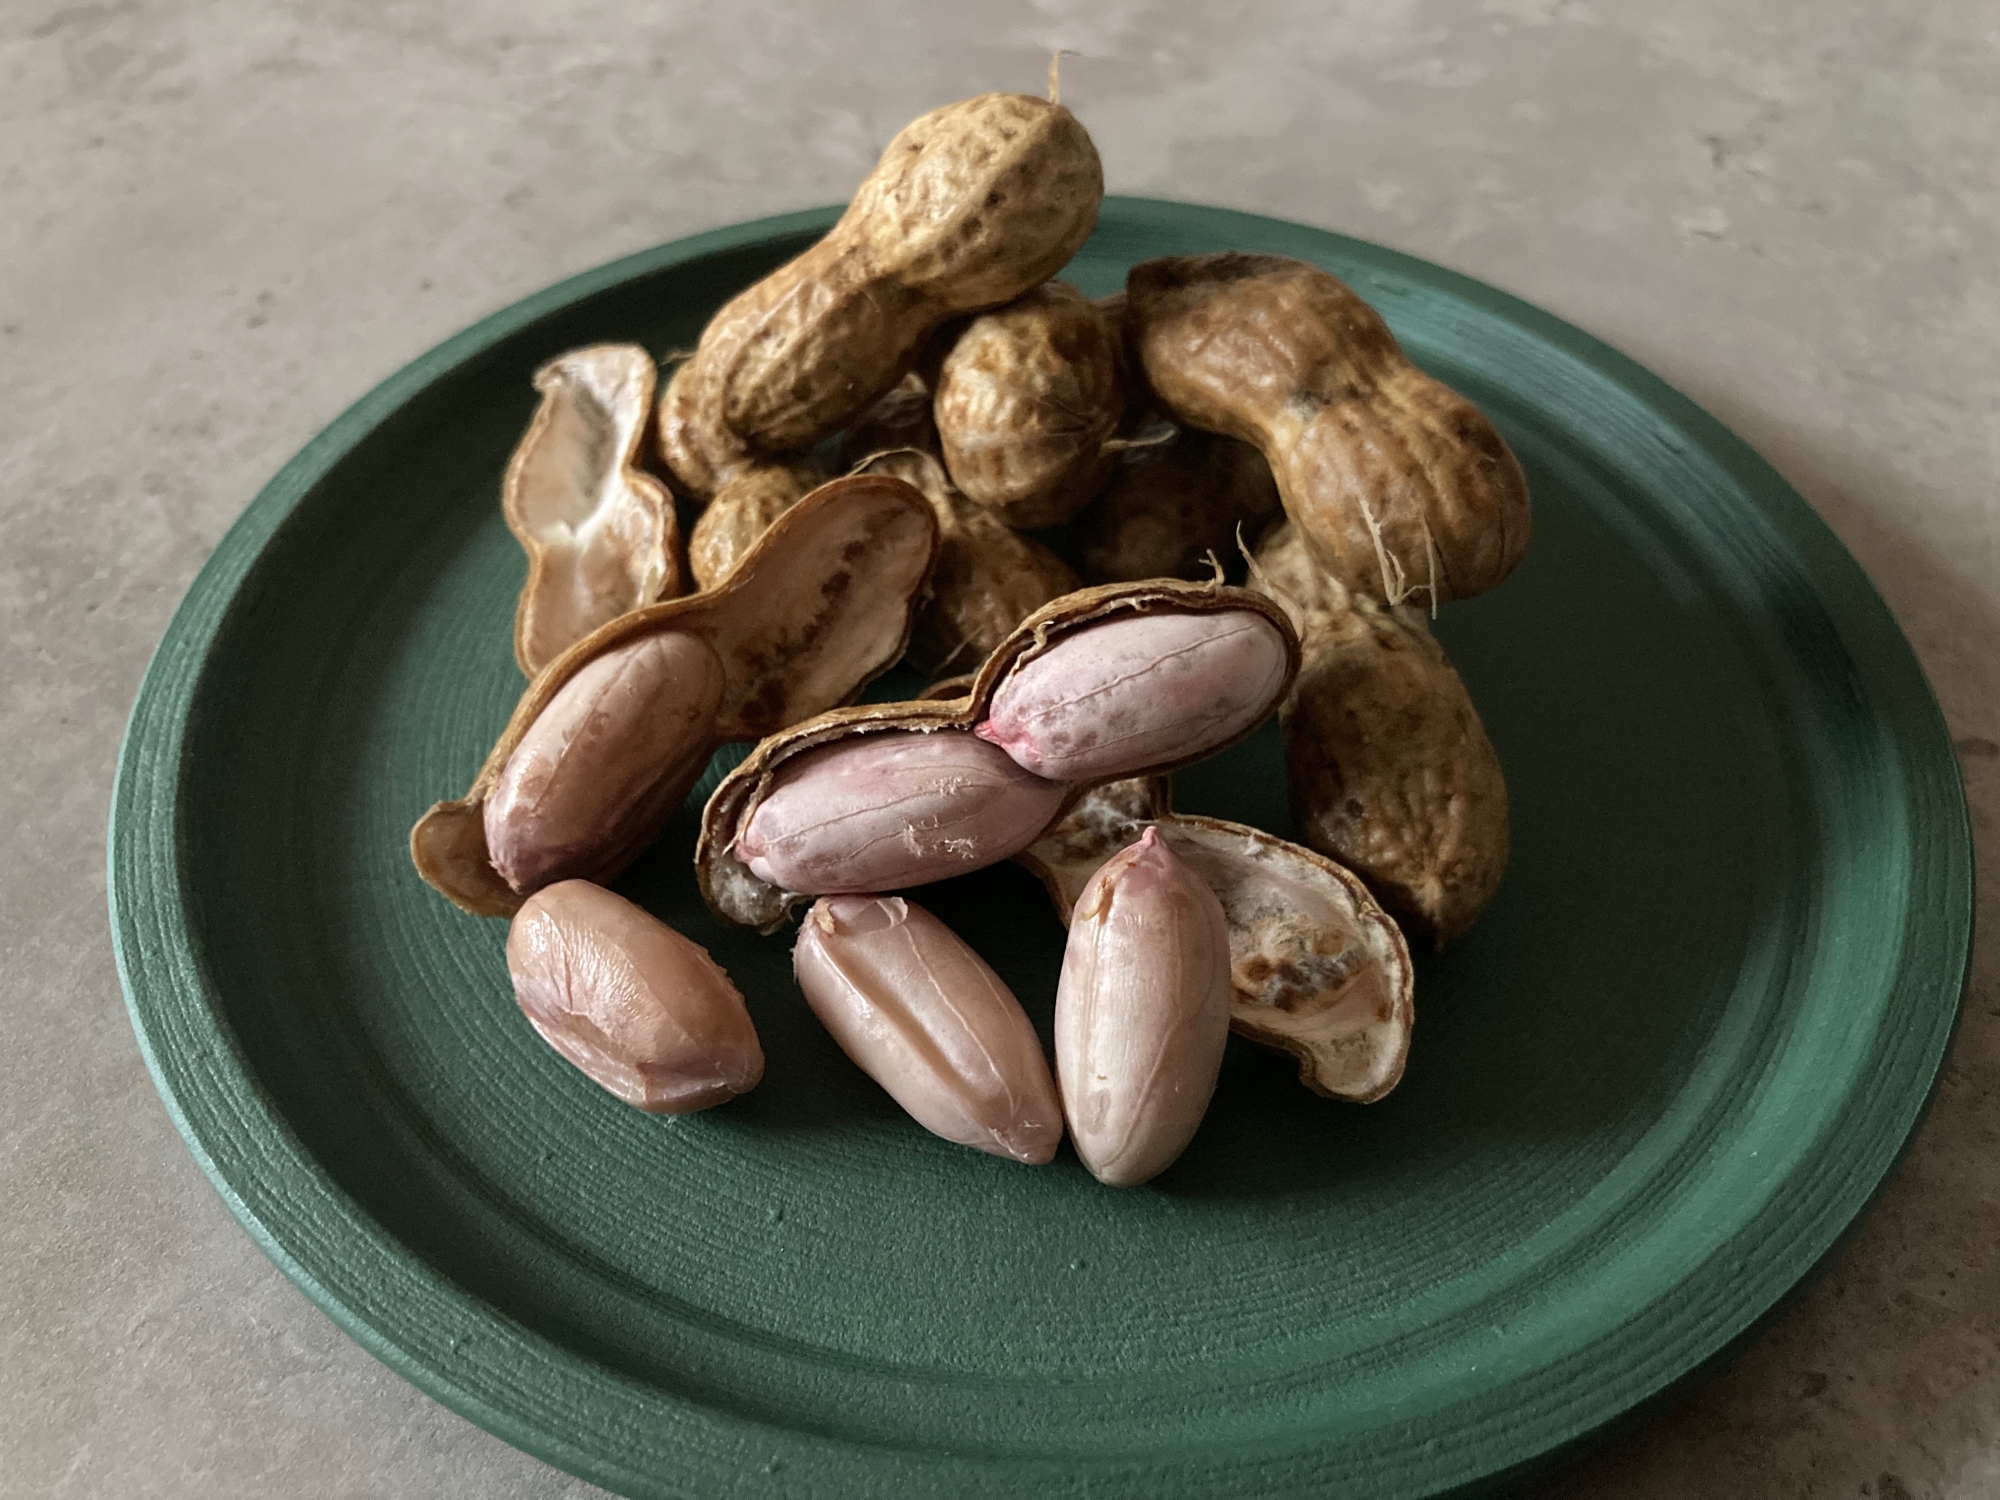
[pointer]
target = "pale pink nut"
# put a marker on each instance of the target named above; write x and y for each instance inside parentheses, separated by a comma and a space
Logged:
(1138, 692)
(890, 810)
(639, 1008)
(1142, 1012)
(924, 1016)
(604, 765)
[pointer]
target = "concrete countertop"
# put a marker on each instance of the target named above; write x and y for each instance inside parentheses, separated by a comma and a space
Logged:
(221, 223)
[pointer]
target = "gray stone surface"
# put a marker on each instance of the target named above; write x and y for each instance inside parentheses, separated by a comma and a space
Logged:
(221, 222)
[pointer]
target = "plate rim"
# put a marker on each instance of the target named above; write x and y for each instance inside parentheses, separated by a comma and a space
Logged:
(207, 1083)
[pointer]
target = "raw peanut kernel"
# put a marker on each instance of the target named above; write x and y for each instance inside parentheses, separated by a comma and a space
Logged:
(1142, 1012)
(889, 810)
(606, 763)
(924, 1016)
(636, 1006)
(1138, 692)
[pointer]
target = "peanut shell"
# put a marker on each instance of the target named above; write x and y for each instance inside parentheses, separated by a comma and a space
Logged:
(817, 609)
(1398, 485)
(970, 206)
(1027, 398)
(600, 533)
(1389, 767)
(736, 894)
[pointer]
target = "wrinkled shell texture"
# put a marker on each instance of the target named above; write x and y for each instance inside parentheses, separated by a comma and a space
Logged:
(600, 533)
(744, 509)
(987, 579)
(817, 609)
(927, 1018)
(1137, 692)
(1142, 1012)
(970, 206)
(1026, 400)
(1171, 505)
(1390, 769)
(890, 810)
(637, 1007)
(603, 767)
(1399, 486)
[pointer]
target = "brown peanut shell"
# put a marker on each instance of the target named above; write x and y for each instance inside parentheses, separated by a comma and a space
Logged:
(1318, 970)
(599, 531)
(738, 896)
(1399, 486)
(816, 610)
(1173, 504)
(1389, 767)
(970, 206)
(1027, 398)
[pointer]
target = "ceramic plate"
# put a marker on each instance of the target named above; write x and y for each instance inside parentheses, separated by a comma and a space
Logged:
(1667, 1070)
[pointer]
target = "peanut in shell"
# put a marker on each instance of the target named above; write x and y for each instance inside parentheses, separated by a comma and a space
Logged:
(1389, 768)
(1027, 399)
(817, 609)
(970, 206)
(1399, 486)
(737, 894)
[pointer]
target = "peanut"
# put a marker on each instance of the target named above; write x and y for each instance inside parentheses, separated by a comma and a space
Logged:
(1134, 693)
(1027, 398)
(1174, 505)
(596, 777)
(1318, 970)
(926, 1017)
(889, 810)
(970, 206)
(1398, 485)
(1142, 1012)
(633, 1004)
(1389, 767)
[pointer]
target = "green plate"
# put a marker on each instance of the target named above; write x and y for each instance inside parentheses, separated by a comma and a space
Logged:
(1662, 1076)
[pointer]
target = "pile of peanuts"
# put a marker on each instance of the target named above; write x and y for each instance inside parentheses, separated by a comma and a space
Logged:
(910, 444)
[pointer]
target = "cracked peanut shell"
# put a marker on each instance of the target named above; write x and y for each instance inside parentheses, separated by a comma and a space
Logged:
(737, 894)
(599, 531)
(814, 612)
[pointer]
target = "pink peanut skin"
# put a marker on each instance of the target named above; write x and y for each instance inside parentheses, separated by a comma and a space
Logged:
(1142, 1012)
(638, 1008)
(891, 810)
(1138, 692)
(924, 1016)
(603, 767)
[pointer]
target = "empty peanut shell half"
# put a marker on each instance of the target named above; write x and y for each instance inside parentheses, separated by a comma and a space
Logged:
(929, 1020)
(599, 532)
(814, 612)
(637, 1007)
(1390, 769)
(848, 817)
(1317, 969)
